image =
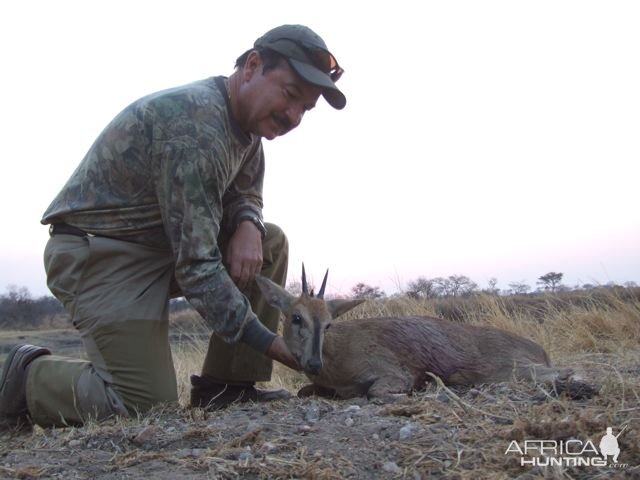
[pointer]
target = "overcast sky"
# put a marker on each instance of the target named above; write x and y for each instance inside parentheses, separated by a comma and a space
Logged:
(483, 138)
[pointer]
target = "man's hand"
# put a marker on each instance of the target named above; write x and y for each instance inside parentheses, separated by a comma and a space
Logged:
(280, 352)
(244, 254)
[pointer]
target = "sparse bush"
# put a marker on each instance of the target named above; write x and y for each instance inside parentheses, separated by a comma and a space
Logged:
(362, 290)
(19, 310)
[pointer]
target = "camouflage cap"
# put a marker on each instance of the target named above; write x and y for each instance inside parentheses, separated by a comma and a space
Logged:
(309, 57)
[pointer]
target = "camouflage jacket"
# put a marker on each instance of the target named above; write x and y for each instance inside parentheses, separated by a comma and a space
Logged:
(171, 171)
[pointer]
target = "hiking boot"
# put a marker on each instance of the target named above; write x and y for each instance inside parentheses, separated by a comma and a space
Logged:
(212, 395)
(13, 384)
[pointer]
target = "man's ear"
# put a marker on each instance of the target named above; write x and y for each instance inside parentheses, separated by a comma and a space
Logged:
(252, 65)
(338, 307)
(274, 294)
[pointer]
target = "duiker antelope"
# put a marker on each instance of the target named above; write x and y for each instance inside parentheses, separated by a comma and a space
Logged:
(382, 356)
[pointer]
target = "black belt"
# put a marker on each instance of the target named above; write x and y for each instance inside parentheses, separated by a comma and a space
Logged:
(64, 229)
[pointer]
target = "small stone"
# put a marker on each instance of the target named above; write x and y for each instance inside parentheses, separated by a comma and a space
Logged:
(352, 409)
(348, 422)
(245, 457)
(75, 443)
(312, 413)
(198, 452)
(375, 436)
(408, 431)
(268, 446)
(304, 429)
(443, 397)
(170, 429)
(391, 467)
(182, 453)
(254, 427)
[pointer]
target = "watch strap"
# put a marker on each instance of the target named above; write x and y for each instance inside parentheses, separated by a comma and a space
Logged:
(253, 218)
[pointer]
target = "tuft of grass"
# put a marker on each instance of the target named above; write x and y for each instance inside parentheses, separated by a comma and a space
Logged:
(190, 341)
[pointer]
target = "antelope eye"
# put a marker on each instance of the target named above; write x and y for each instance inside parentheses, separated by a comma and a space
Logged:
(327, 326)
(296, 319)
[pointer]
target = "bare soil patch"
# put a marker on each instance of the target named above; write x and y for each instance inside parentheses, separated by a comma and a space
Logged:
(439, 433)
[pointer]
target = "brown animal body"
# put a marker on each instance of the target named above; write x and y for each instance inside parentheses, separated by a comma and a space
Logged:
(378, 356)
(382, 356)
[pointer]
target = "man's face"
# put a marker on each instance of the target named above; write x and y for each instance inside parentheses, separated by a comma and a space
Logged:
(273, 103)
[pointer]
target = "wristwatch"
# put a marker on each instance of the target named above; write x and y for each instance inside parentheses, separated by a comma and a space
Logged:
(253, 218)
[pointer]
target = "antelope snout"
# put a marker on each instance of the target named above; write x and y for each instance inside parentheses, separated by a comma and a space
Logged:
(313, 366)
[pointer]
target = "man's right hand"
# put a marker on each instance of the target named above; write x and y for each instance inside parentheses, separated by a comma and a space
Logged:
(244, 254)
(280, 352)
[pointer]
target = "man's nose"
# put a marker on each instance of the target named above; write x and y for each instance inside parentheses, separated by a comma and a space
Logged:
(295, 114)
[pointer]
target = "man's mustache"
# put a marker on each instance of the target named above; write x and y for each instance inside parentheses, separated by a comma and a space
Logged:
(282, 121)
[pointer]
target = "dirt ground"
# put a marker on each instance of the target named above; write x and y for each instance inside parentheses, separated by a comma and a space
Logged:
(438, 433)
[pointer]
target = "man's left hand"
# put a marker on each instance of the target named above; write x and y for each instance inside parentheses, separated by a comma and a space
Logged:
(280, 352)
(244, 254)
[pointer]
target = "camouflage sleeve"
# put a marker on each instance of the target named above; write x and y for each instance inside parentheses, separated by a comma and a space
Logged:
(245, 192)
(190, 194)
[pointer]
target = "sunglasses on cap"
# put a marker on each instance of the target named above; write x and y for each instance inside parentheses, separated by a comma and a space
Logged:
(320, 58)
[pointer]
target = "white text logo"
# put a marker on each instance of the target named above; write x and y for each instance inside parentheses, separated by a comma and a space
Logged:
(568, 453)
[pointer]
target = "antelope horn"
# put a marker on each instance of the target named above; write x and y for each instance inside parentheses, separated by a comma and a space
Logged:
(305, 290)
(324, 284)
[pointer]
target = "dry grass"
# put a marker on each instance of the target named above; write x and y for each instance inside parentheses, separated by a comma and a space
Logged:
(565, 327)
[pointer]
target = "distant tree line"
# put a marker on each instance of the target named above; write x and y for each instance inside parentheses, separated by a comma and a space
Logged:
(461, 286)
(20, 310)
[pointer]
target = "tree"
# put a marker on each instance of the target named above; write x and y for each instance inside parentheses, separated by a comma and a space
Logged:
(454, 286)
(461, 286)
(519, 288)
(443, 287)
(550, 280)
(18, 294)
(492, 289)
(422, 287)
(362, 290)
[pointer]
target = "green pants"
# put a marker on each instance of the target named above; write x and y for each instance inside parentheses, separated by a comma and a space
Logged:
(117, 294)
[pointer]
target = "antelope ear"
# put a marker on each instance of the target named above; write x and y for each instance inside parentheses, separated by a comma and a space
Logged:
(338, 307)
(274, 294)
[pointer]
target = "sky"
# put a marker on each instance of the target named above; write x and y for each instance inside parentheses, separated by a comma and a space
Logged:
(482, 138)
